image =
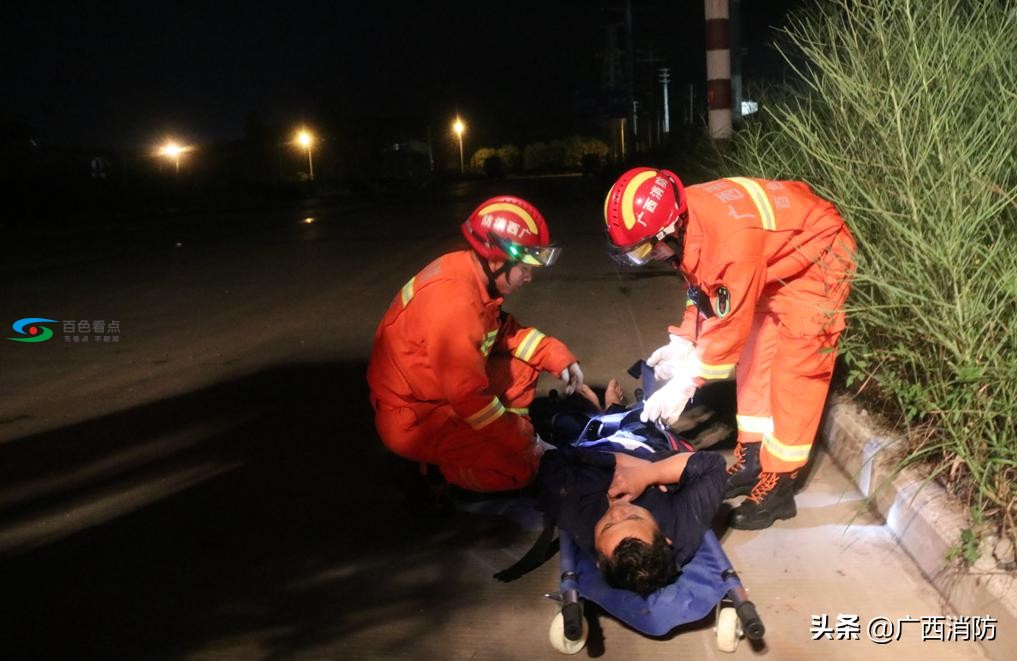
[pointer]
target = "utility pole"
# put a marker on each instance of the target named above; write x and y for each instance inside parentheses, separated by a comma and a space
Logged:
(692, 104)
(718, 68)
(630, 67)
(648, 58)
(430, 149)
(665, 78)
(635, 122)
(621, 135)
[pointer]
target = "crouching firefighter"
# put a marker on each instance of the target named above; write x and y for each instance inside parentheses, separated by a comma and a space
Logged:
(451, 374)
(768, 267)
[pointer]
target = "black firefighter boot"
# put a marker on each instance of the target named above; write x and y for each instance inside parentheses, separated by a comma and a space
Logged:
(424, 490)
(772, 498)
(744, 473)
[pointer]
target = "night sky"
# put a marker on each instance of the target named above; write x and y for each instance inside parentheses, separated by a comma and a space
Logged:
(121, 74)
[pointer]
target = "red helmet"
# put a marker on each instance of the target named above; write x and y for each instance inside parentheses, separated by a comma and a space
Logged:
(644, 206)
(510, 228)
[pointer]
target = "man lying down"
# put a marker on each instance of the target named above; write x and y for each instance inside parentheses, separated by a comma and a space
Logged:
(629, 500)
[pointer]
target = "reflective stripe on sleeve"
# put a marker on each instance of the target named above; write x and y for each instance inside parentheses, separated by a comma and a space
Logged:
(784, 452)
(529, 345)
(523, 411)
(712, 372)
(759, 198)
(408, 291)
(487, 415)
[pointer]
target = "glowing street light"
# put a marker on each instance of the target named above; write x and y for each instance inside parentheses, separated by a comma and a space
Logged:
(171, 151)
(458, 127)
(306, 140)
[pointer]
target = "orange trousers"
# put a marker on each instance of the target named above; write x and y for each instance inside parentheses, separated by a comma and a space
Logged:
(498, 457)
(784, 372)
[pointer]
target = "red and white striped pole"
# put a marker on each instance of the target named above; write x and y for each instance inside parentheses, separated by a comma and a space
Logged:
(718, 68)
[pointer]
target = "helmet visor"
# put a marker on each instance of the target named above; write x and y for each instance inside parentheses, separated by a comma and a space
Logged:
(532, 255)
(638, 254)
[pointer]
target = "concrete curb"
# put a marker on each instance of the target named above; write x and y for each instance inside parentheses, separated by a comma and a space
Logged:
(925, 522)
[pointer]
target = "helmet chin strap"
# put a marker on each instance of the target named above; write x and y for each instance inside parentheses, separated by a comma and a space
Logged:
(676, 242)
(492, 276)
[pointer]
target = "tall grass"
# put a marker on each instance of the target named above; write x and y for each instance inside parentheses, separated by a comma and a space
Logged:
(906, 117)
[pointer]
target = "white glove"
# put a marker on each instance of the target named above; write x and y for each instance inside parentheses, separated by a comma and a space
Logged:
(573, 378)
(668, 403)
(668, 360)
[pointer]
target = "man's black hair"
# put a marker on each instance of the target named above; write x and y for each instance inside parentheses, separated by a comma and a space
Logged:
(640, 567)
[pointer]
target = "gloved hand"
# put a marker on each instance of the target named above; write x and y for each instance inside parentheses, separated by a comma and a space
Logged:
(573, 378)
(668, 402)
(540, 446)
(668, 360)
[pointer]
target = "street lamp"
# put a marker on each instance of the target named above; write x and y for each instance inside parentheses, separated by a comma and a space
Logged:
(306, 140)
(170, 150)
(458, 127)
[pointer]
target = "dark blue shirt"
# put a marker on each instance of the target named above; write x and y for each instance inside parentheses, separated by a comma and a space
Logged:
(573, 483)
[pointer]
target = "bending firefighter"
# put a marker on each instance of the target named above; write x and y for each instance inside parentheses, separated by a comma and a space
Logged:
(768, 267)
(451, 373)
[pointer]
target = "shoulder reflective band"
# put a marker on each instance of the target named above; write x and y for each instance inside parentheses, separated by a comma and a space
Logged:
(528, 346)
(408, 291)
(485, 347)
(486, 415)
(790, 453)
(758, 196)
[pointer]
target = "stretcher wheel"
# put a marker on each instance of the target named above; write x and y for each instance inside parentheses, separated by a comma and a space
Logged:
(560, 641)
(729, 629)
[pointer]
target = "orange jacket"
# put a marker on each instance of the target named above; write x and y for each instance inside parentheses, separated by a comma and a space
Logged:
(433, 343)
(744, 236)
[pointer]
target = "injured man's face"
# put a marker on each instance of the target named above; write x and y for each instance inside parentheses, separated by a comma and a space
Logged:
(632, 552)
(623, 520)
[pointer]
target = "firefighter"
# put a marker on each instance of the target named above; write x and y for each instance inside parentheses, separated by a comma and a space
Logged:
(451, 374)
(768, 267)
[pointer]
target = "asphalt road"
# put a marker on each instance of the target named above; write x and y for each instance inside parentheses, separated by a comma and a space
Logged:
(210, 485)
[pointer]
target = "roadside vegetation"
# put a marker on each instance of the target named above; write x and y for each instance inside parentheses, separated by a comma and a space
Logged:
(905, 115)
(570, 154)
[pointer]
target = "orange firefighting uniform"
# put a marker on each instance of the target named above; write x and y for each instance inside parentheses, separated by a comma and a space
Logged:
(451, 377)
(772, 264)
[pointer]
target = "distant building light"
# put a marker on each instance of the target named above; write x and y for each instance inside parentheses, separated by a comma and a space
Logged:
(749, 107)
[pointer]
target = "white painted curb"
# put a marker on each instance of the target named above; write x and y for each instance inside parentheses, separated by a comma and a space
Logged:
(924, 520)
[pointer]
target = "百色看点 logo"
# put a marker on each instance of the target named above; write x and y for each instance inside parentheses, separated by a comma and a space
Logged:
(34, 332)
